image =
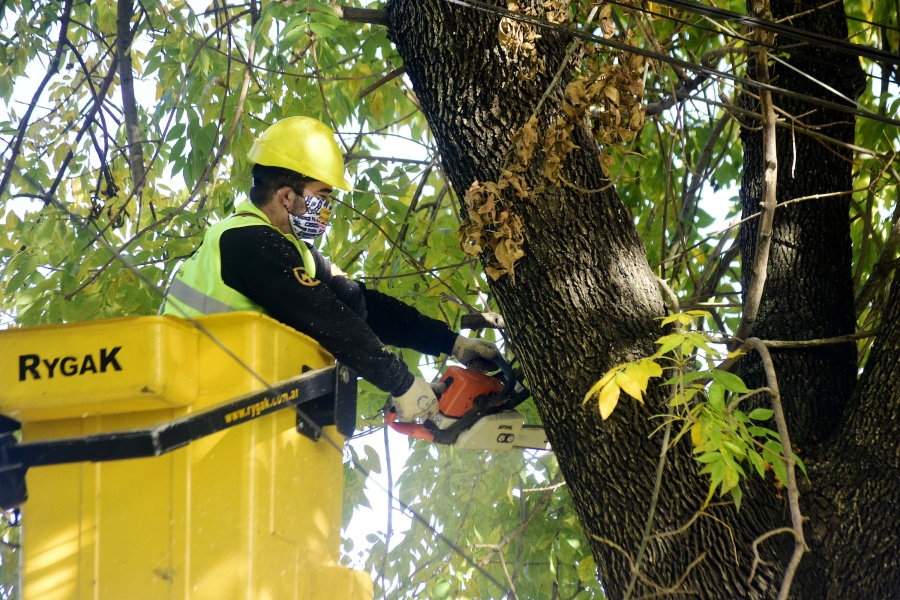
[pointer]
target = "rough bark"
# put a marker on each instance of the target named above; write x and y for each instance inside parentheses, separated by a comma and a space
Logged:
(855, 539)
(809, 289)
(584, 300)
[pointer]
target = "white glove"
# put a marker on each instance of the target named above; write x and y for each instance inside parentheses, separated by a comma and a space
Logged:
(466, 349)
(418, 402)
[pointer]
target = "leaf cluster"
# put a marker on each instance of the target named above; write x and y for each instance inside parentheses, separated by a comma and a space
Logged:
(508, 514)
(491, 227)
(705, 402)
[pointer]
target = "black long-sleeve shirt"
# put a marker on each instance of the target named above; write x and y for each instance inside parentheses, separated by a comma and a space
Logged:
(350, 321)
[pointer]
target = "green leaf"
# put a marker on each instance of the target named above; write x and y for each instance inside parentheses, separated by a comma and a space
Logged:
(729, 381)
(716, 395)
(761, 414)
(757, 461)
(709, 457)
(667, 343)
(737, 495)
(587, 569)
(322, 29)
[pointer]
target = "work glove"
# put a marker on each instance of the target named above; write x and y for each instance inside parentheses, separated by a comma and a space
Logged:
(475, 353)
(418, 402)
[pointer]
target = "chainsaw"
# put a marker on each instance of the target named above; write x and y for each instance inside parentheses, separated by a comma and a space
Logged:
(477, 411)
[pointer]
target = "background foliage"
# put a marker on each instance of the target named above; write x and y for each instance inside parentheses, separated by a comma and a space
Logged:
(90, 234)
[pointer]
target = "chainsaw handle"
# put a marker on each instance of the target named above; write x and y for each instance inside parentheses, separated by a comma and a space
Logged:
(510, 385)
(411, 429)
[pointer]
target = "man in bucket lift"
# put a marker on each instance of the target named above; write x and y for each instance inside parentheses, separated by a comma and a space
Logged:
(254, 260)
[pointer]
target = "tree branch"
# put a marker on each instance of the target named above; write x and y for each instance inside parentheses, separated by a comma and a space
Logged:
(884, 265)
(124, 37)
(372, 16)
(682, 93)
(769, 201)
(793, 492)
(371, 88)
(52, 69)
(200, 182)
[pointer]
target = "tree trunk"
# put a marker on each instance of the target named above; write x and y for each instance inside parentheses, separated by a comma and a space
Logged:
(584, 300)
(809, 288)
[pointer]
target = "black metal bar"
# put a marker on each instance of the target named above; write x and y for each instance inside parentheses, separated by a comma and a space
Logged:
(154, 441)
(339, 410)
(327, 395)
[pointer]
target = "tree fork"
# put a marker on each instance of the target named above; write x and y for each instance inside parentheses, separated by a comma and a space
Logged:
(808, 290)
(583, 300)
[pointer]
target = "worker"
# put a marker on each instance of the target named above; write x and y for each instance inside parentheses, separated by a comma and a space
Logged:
(254, 260)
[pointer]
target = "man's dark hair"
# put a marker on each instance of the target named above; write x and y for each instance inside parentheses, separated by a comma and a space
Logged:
(267, 180)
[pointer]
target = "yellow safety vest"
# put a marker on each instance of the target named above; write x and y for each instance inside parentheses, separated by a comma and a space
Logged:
(198, 288)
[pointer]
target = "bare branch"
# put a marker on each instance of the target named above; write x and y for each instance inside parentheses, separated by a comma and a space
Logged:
(52, 69)
(371, 88)
(757, 560)
(412, 161)
(482, 320)
(372, 16)
(790, 464)
(135, 149)
(770, 177)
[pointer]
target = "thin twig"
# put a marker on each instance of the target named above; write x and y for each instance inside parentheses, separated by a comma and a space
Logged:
(651, 512)
(515, 533)
(883, 266)
(770, 178)
(793, 491)
(487, 560)
(757, 559)
(371, 88)
(390, 511)
(660, 468)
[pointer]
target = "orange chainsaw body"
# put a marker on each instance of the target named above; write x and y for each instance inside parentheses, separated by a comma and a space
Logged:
(466, 385)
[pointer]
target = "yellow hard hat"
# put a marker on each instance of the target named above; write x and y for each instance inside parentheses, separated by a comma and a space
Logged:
(304, 145)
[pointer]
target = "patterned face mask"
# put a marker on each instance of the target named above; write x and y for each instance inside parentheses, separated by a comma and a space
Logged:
(312, 223)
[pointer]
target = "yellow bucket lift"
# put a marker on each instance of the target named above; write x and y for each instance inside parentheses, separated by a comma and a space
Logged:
(176, 461)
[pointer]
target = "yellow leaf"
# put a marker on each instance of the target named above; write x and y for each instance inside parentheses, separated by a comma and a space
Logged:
(644, 370)
(609, 397)
(631, 384)
(653, 367)
(666, 320)
(599, 385)
(696, 434)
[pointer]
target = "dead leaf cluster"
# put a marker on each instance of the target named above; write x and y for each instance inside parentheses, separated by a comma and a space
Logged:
(608, 93)
(491, 227)
(518, 42)
(615, 98)
(611, 96)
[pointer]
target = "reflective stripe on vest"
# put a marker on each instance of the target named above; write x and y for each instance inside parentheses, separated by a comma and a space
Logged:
(198, 288)
(205, 305)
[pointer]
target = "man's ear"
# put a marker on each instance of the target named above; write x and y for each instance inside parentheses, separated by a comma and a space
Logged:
(283, 196)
